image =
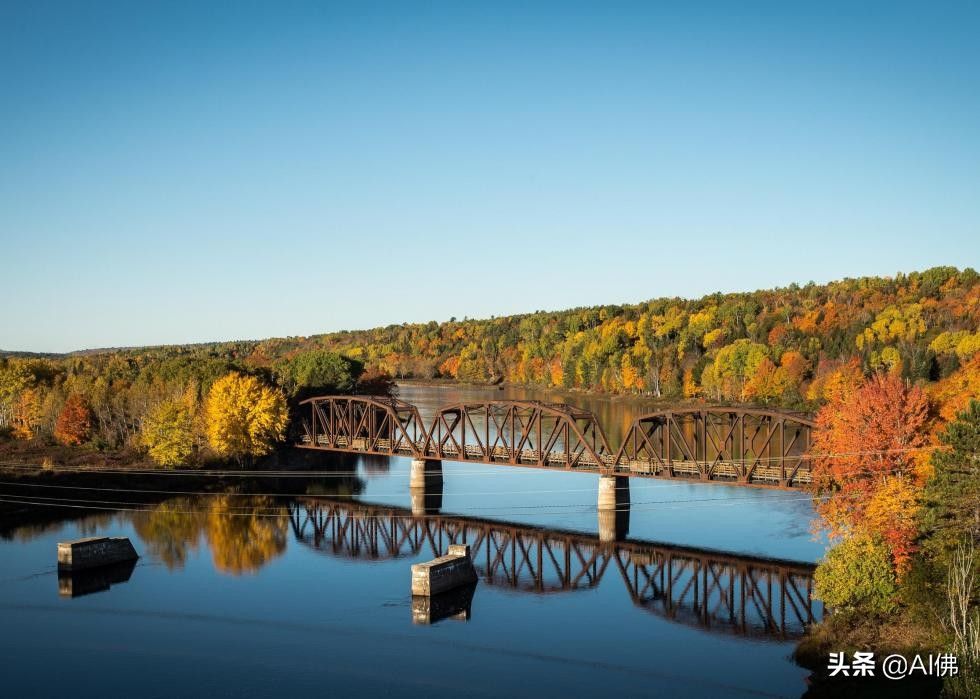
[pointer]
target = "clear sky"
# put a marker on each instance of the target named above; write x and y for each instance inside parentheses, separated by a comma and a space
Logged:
(182, 172)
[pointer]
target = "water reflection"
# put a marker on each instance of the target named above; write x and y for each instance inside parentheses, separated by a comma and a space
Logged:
(452, 604)
(78, 583)
(244, 537)
(170, 530)
(712, 590)
(243, 532)
(719, 592)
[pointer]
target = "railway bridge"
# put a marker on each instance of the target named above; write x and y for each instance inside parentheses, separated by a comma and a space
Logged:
(735, 445)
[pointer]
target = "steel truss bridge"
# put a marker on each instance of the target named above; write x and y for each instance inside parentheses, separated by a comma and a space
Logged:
(716, 591)
(744, 446)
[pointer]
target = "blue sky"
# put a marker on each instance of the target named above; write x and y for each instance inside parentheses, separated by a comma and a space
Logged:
(180, 172)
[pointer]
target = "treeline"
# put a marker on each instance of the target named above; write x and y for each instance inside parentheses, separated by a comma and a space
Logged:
(773, 347)
(178, 407)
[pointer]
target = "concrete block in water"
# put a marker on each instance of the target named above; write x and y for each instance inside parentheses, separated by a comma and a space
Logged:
(444, 573)
(94, 551)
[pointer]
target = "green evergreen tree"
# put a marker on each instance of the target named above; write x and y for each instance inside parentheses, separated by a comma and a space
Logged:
(951, 501)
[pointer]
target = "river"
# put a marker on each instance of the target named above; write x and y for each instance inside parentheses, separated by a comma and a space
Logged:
(297, 585)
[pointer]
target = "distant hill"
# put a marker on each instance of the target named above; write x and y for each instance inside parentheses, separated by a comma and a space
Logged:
(30, 355)
(769, 346)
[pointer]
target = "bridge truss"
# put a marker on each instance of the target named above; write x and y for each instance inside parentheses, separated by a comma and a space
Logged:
(745, 446)
(740, 445)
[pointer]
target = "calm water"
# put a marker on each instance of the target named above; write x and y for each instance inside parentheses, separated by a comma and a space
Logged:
(262, 594)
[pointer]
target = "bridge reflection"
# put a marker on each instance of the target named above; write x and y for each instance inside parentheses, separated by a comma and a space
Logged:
(716, 591)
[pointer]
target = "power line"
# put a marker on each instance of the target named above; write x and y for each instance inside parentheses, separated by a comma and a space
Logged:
(373, 494)
(518, 507)
(114, 508)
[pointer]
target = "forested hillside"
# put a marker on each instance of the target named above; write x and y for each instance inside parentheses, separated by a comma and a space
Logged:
(782, 347)
(773, 346)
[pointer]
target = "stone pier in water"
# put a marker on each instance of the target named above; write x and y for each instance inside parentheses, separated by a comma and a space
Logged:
(453, 570)
(94, 551)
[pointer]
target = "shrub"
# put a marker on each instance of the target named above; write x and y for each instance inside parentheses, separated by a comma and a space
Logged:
(857, 576)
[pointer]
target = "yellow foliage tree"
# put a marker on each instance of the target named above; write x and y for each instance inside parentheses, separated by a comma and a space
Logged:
(557, 375)
(167, 432)
(631, 377)
(968, 346)
(843, 382)
(894, 324)
(27, 414)
(891, 511)
(767, 383)
(244, 417)
(690, 388)
(954, 393)
(734, 366)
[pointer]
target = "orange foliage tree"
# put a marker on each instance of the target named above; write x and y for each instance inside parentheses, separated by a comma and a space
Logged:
(74, 423)
(954, 393)
(865, 461)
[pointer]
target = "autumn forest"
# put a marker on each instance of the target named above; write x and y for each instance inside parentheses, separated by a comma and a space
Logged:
(781, 347)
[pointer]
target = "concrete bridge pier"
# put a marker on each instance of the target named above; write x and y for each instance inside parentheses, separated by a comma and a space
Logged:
(426, 473)
(614, 507)
(614, 492)
(425, 486)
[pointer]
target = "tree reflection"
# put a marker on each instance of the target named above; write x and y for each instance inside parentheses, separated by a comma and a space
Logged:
(171, 529)
(88, 525)
(245, 533)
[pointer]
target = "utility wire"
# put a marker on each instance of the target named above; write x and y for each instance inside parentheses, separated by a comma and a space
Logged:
(115, 505)
(150, 491)
(112, 509)
(541, 506)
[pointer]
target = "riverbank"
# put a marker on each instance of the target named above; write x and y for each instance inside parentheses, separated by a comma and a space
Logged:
(899, 635)
(42, 454)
